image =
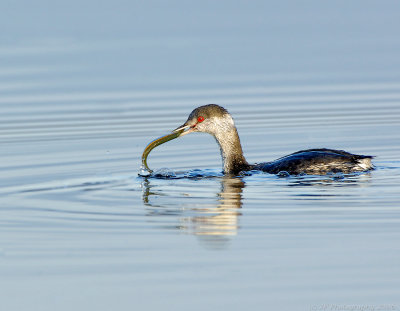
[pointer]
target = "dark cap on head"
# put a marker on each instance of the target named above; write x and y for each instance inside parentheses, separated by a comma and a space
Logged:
(208, 111)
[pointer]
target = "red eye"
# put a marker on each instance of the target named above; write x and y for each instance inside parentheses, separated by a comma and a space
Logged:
(200, 119)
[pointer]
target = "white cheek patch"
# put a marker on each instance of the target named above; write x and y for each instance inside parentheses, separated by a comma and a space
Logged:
(222, 124)
(216, 125)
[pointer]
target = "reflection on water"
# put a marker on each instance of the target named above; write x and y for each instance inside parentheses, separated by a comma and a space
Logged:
(216, 221)
(337, 180)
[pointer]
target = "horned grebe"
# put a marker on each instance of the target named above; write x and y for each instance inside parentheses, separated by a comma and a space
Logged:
(217, 121)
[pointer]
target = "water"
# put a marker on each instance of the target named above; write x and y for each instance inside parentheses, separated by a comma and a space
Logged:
(85, 87)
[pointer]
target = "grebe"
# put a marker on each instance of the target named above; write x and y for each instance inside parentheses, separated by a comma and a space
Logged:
(217, 121)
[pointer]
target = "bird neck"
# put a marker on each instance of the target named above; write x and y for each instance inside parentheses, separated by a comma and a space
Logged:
(231, 151)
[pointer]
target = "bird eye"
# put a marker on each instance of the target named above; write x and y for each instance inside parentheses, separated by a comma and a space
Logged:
(200, 119)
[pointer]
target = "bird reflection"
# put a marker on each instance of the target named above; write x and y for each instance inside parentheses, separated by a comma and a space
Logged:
(213, 223)
(223, 219)
(333, 180)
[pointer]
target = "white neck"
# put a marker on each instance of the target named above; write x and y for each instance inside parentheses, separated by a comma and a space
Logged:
(231, 150)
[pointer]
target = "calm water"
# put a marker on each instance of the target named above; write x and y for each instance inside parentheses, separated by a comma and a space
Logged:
(83, 89)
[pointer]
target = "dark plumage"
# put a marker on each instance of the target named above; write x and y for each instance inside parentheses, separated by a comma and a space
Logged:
(317, 162)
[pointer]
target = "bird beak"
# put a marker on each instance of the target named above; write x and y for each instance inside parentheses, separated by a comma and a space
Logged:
(180, 131)
(184, 129)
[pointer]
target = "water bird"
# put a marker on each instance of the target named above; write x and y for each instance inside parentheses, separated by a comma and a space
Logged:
(217, 121)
